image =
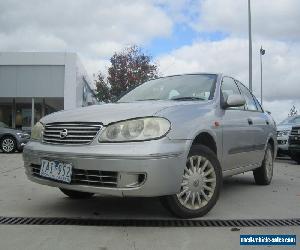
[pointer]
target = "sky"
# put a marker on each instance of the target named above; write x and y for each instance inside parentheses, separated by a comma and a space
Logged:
(182, 36)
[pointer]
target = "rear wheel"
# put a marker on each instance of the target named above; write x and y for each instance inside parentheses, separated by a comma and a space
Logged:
(76, 194)
(263, 175)
(200, 186)
(8, 144)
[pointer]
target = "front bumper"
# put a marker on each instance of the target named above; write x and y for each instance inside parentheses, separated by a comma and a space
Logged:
(161, 161)
(21, 142)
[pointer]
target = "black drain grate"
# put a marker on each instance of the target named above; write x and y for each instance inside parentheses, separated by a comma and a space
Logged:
(149, 222)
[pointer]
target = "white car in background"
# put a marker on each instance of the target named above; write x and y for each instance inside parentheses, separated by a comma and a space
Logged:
(283, 131)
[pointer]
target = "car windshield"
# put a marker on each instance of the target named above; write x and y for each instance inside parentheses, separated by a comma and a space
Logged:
(192, 87)
(3, 125)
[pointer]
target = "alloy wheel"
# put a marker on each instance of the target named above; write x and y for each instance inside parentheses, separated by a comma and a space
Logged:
(198, 183)
(8, 145)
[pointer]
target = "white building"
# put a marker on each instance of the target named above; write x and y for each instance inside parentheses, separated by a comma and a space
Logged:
(34, 84)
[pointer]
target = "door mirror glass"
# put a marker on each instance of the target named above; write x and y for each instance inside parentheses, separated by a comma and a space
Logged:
(235, 100)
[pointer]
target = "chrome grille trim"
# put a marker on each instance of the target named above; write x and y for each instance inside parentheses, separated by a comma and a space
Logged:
(295, 131)
(78, 132)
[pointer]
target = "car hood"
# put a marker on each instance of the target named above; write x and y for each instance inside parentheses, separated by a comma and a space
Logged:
(112, 112)
(10, 130)
(284, 127)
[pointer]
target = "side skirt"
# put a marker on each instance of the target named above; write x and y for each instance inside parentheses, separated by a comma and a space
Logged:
(240, 170)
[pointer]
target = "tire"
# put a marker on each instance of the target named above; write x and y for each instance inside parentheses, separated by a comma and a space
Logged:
(198, 194)
(76, 194)
(263, 175)
(295, 157)
(8, 144)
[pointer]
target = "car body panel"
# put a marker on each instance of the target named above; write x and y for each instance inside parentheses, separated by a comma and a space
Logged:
(294, 140)
(109, 113)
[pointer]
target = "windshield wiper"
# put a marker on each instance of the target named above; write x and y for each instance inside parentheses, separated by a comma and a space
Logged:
(188, 98)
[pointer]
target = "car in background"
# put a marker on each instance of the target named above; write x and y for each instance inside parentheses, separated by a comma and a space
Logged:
(12, 139)
(283, 132)
(294, 144)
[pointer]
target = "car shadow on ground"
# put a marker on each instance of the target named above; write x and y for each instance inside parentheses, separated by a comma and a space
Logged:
(106, 207)
(287, 160)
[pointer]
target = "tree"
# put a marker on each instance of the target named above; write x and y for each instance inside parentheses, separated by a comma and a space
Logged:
(293, 111)
(102, 89)
(128, 69)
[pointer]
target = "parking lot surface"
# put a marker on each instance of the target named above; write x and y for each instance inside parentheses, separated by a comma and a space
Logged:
(239, 199)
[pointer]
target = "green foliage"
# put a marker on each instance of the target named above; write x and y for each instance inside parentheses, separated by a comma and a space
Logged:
(128, 69)
(102, 89)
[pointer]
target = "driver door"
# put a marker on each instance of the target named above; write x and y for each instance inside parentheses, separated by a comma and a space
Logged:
(237, 143)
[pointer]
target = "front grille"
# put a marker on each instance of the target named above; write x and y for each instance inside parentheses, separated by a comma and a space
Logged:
(281, 142)
(94, 178)
(71, 133)
(295, 131)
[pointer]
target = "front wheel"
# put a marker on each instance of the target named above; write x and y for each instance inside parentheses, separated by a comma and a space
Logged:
(263, 175)
(76, 194)
(8, 144)
(200, 186)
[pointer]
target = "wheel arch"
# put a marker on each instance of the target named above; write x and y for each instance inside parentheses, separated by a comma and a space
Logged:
(206, 139)
(272, 143)
(272, 140)
(8, 135)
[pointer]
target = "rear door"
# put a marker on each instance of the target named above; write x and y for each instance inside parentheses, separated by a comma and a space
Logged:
(258, 125)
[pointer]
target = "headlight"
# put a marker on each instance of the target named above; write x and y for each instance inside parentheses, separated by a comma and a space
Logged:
(37, 131)
(136, 130)
(23, 135)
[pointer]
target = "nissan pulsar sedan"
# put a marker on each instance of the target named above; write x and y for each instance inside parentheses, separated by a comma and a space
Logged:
(174, 137)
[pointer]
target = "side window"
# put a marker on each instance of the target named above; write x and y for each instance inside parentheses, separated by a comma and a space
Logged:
(258, 104)
(229, 87)
(250, 103)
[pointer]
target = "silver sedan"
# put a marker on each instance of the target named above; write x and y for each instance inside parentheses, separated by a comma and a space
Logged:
(174, 137)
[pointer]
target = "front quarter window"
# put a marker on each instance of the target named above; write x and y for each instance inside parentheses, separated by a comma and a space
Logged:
(250, 103)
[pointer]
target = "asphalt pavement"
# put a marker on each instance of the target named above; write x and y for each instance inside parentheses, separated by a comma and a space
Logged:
(240, 199)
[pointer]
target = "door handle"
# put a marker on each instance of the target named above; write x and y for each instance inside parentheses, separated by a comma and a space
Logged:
(267, 122)
(250, 122)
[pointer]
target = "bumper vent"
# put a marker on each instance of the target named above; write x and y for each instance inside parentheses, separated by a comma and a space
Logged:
(74, 133)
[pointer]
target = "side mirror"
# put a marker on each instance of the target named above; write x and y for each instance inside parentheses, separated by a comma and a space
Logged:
(235, 100)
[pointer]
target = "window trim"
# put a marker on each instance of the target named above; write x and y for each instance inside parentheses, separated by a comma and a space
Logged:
(259, 109)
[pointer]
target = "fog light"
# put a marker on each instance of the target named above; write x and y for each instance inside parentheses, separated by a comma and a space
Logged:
(131, 180)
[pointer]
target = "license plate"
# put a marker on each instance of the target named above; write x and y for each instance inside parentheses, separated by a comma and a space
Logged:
(56, 170)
